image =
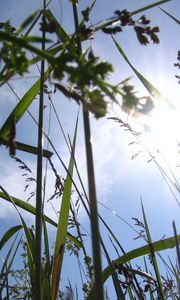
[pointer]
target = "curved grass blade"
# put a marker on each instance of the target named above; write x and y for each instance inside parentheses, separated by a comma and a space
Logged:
(138, 252)
(158, 246)
(21, 107)
(62, 224)
(8, 234)
(154, 92)
(31, 209)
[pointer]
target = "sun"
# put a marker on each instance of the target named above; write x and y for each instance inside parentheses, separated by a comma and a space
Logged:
(163, 130)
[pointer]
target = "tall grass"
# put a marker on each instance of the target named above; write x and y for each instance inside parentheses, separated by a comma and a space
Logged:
(80, 75)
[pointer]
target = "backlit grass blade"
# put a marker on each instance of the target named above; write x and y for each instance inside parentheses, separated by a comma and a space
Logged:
(138, 252)
(153, 256)
(21, 107)
(27, 148)
(31, 209)
(154, 92)
(62, 224)
(8, 234)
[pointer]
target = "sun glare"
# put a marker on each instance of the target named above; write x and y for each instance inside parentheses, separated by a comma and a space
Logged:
(163, 129)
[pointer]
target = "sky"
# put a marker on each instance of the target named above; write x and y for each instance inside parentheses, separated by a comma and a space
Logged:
(124, 174)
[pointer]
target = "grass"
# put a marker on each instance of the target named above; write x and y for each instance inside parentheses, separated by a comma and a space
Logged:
(82, 76)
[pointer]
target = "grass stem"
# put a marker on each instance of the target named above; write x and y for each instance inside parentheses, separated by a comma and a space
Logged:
(38, 221)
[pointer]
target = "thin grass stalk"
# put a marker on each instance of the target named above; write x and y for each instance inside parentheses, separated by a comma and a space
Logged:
(149, 281)
(117, 286)
(98, 291)
(160, 291)
(7, 284)
(136, 284)
(37, 18)
(38, 221)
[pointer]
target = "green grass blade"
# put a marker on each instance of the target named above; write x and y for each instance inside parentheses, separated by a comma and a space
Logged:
(153, 256)
(62, 35)
(36, 19)
(46, 268)
(21, 107)
(29, 238)
(23, 43)
(177, 246)
(129, 290)
(35, 39)
(52, 51)
(31, 209)
(117, 286)
(172, 17)
(62, 224)
(148, 280)
(7, 264)
(28, 148)
(8, 234)
(46, 243)
(27, 22)
(154, 92)
(176, 273)
(145, 250)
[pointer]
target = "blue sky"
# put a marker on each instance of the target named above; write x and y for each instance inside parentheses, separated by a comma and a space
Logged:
(121, 180)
